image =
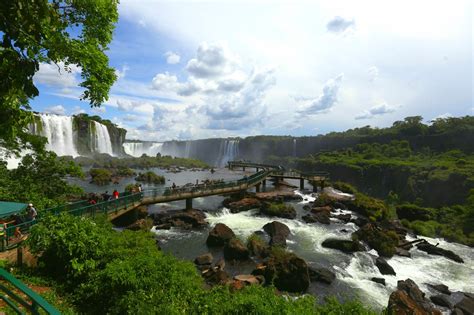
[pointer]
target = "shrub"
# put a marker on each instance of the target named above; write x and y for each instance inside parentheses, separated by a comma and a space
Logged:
(150, 177)
(100, 176)
(344, 187)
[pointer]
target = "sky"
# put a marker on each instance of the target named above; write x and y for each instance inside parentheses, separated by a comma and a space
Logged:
(192, 69)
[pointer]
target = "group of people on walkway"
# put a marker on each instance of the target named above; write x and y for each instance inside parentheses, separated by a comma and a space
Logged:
(15, 220)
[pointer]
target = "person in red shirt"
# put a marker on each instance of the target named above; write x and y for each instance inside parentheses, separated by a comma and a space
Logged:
(115, 194)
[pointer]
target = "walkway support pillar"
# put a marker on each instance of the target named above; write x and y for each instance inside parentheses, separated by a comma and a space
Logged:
(315, 186)
(322, 184)
(189, 203)
(301, 183)
(264, 182)
(257, 188)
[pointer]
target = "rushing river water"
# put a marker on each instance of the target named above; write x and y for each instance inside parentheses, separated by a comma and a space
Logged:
(353, 272)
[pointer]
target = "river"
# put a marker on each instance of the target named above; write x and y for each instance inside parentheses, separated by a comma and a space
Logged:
(353, 272)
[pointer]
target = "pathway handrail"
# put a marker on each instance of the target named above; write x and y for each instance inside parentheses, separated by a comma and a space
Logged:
(34, 301)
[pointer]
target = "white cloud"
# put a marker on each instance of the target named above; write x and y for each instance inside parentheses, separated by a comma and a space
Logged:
(165, 82)
(57, 75)
(376, 110)
(78, 110)
(373, 73)
(211, 60)
(58, 110)
(98, 110)
(326, 100)
(340, 25)
(172, 58)
(121, 73)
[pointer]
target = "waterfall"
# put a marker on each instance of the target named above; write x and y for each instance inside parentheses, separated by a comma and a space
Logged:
(228, 151)
(101, 139)
(59, 132)
(187, 149)
(137, 149)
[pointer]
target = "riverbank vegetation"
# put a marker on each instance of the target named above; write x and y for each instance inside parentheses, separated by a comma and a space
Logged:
(39, 179)
(100, 270)
(143, 162)
(150, 177)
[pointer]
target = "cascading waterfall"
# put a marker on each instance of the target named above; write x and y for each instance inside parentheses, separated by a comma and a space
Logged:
(137, 149)
(187, 149)
(59, 132)
(101, 139)
(228, 151)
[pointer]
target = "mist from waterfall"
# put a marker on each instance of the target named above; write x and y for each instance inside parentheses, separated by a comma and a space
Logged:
(137, 149)
(59, 132)
(101, 139)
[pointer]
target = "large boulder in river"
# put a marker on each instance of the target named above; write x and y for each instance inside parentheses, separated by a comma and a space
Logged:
(235, 250)
(280, 210)
(286, 271)
(466, 305)
(278, 233)
(435, 250)
(321, 274)
(413, 212)
(204, 259)
(186, 219)
(346, 246)
(244, 204)
(383, 241)
(220, 235)
(257, 246)
(384, 267)
(409, 299)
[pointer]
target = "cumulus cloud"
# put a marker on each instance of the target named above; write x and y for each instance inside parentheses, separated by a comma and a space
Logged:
(165, 82)
(172, 58)
(340, 25)
(57, 75)
(326, 100)
(211, 60)
(376, 110)
(373, 73)
(58, 110)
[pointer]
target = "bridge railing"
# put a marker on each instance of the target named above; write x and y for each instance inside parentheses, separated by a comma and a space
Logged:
(114, 205)
(21, 298)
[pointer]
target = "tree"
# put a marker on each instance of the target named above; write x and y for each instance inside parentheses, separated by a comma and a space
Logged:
(63, 32)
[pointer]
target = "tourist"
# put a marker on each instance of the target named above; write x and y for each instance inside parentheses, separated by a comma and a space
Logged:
(115, 194)
(32, 213)
(18, 221)
(173, 186)
(140, 188)
(106, 196)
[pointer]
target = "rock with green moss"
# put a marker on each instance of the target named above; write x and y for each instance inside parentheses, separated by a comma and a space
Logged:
(150, 177)
(257, 246)
(100, 176)
(280, 210)
(383, 241)
(346, 246)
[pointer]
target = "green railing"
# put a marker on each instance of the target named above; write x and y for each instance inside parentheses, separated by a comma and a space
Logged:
(26, 300)
(80, 208)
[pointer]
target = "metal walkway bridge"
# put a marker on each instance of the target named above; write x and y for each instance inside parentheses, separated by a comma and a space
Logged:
(130, 201)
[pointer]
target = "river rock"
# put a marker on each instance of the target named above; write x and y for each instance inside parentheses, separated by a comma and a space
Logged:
(402, 252)
(204, 259)
(409, 299)
(435, 250)
(325, 209)
(235, 250)
(286, 271)
(441, 300)
(441, 288)
(278, 196)
(257, 246)
(413, 213)
(321, 274)
(346, 246)
(280, 210)
(186, 219)
(244, 204)
(215, 276)
(378, 280)
(359, 221)
(343, 217)
(466, 305)
(164, 226)
(278, 233)
(384, 267)
(219, 235)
